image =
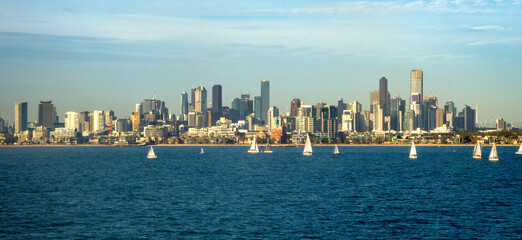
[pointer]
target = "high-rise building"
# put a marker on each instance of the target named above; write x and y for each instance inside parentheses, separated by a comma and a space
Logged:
(439, 117)
(46, 114)
(294, 105)
(416, 86)
(201, 99)
(72, 120)
(258, 107)
(98, 122)
(374, 100)
(153, 110)
(2, 125)
(273, 114)
(109, 117)
(469, 118)
(397, 111)
(383, 96)
(192, 105)
(184, 105)
(217, 102)
(84, 122)
(265, 99)
(501, 124)
(20, 117)
(449, 107)
(341, 106)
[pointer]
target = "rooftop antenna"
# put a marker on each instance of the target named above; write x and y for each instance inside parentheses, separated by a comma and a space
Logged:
(399, 93)
(154, 95)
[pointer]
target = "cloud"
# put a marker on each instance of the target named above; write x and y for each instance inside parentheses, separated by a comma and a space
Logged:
(487, 28)
(369, 7)
(498, 41)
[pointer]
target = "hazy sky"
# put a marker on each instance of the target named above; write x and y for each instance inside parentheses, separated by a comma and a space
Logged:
(99, 55)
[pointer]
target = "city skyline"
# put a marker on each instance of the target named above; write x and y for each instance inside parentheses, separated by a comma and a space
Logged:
(468, 51)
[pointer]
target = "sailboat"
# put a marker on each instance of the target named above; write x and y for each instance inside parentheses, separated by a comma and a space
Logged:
(268, 148)
(151, 154)
(202, 152)
(308, 147)
(413, 151)
(336, 150)
(253, 147)
(519, 150)
(477, 151)
(493, 156)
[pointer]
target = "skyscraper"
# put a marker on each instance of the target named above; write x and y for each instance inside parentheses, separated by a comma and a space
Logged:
(217, 101)
(46, 114)
(294, 105)
(200, 97)
(20, 117)
(265, 99)
(184, 108)
(258, 106)
(469, 118)
(383, 96)
(416, 86)
(374, 100)
(397, 111)
(341, 106)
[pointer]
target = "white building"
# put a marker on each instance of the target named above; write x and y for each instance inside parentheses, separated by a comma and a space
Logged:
(72, 120)
(98, 121)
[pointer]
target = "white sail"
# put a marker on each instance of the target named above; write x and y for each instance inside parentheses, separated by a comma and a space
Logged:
(202, 152)
(519, 150)
(253, 147)
(308, 147)
(493, 155)
(477, 151)
(336, 150)
(413, 151)
(151, 153)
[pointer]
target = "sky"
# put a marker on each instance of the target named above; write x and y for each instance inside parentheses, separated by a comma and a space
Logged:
(100, 55)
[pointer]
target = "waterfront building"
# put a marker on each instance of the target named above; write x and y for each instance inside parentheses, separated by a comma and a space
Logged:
(84, 122)
(265, 100)
(72, 120)
(20, 117)
(273, 114)
(98, 122)
(46, 114)
(136, 121)
(109, 117)
(469, 118)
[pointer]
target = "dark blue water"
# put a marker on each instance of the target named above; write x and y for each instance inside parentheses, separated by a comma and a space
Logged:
(367, 192)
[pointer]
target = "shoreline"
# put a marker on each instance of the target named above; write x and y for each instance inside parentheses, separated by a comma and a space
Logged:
(273, 145)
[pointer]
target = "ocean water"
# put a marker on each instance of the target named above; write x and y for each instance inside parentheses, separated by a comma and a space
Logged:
(367, 192)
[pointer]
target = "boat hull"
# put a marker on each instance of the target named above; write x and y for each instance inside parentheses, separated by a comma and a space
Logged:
(493, 159)
(476, 157)
(307, 154)
(413, 157)
(253, 151)
(151, 157)
(268, 151)
(519, 153)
